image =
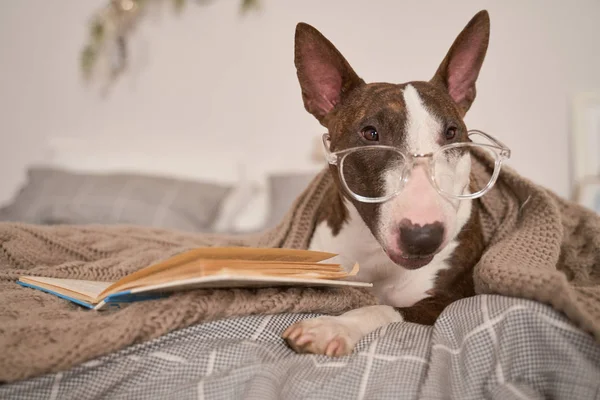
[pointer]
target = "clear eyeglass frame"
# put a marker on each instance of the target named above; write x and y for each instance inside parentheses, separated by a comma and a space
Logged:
(500, 151)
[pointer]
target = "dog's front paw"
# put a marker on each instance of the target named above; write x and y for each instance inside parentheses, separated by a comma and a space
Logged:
(322, 335)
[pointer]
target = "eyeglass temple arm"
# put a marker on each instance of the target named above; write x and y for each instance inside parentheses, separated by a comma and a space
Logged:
(326, 141)
(329, 156)
(505, 150)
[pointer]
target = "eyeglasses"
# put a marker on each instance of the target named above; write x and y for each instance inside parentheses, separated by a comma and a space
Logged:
(375, 174)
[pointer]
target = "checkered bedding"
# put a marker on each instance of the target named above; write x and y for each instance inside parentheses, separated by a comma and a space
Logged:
(482, 347)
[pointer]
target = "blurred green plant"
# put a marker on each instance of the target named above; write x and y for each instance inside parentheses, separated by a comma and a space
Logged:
(111, 26)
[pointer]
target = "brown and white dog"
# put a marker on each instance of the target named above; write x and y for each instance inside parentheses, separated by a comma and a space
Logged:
(418, 249)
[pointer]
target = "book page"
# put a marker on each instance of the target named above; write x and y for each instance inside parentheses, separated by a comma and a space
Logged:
(223, 253)
(202, 268)
(88, 290)
(257, 254)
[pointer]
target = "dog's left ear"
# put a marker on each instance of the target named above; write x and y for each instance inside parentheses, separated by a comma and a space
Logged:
(460, 69)
(324, 74)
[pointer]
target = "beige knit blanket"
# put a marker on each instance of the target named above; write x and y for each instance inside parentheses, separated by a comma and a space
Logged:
(538, 247)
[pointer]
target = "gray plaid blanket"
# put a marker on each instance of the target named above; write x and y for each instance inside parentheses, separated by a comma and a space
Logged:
(483, 347)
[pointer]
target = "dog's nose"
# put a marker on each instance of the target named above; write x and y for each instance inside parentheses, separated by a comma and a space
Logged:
(417, 240)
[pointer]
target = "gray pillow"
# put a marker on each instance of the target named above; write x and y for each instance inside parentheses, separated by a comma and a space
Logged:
(55, 196)
(283, 191)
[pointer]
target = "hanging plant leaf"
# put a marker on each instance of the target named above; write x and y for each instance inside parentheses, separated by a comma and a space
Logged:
(113, 23)
(97, 31)
(179, 5)
(88, 58)
(248, 5)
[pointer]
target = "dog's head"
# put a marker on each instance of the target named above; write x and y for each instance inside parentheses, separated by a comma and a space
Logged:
(417, 117)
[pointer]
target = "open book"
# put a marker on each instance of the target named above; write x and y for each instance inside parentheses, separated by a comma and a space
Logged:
(210, 267)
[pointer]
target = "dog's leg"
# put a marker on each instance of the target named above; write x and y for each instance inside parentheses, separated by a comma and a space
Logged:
(337, 336)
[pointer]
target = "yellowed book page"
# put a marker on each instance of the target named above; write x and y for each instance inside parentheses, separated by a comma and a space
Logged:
(203, 267)
(79, 289)
(299, 273)
(211, 266)
(216, 253)
(215, 267)
(257, 254)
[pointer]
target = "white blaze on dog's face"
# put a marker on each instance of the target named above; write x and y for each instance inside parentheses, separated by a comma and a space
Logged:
(419, 204)
(416, 118)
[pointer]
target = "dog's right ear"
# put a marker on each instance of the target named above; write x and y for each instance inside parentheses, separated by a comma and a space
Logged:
(460, 69)
(324, 74)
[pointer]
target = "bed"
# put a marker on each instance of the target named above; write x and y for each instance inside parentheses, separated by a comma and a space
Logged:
(486, 346)
(483, 347)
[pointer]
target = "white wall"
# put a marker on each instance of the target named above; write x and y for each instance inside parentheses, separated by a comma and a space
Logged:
(213, 86)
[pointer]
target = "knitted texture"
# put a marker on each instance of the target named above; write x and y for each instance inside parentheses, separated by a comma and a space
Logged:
(42, 333)
(539, 247)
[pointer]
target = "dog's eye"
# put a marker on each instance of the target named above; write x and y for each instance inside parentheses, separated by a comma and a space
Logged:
(370, 133)
(450, 133)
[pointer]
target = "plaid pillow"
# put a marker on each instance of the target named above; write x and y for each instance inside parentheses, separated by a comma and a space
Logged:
(56, 196)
